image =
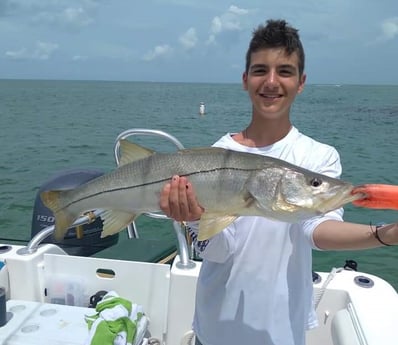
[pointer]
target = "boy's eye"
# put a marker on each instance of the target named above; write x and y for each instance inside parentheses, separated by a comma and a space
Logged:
(258, 71)
(286, 72)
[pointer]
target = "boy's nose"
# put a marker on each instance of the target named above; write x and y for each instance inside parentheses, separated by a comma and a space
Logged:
(271, 79)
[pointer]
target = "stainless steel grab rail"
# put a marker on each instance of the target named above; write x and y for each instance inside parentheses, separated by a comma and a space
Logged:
(34, 243)
(182, 245)
(132, 228)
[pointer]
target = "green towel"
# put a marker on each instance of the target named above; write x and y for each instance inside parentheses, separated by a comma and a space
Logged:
(114, 323)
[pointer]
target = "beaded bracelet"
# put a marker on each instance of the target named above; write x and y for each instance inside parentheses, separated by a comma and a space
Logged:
(376, 234)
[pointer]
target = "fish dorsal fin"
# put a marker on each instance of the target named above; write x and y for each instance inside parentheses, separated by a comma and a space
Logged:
(131, 152)
(210, 225)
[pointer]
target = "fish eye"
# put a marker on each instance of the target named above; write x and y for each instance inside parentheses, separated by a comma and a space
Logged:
(316, 182)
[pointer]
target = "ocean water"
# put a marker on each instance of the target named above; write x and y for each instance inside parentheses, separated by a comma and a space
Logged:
(52, 126)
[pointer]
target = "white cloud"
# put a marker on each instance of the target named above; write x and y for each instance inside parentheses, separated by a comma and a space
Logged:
(229, 21)
(42, 51)
(70, 14)
(79, 58)
(189, 39)
(17, 54)
(158, 51)
(390, 28)
(238, 11)
(76, 16)
(70, 18)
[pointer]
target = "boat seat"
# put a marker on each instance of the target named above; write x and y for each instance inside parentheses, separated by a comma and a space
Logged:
(143, 250)
(343, 329)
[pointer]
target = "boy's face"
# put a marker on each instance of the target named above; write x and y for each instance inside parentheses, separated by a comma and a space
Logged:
(273, 82)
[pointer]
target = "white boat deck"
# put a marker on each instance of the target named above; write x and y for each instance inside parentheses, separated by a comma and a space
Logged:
(348, 313)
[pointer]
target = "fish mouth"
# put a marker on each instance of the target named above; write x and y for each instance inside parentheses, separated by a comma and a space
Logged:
(340, 198)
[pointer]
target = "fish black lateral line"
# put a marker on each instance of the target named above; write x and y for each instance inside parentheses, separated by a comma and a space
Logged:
(228, 184)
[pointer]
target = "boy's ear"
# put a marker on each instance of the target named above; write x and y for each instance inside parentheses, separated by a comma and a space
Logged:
(302, 82)
(244, 80)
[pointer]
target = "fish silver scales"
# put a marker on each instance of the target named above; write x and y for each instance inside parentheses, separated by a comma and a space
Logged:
(228, 184)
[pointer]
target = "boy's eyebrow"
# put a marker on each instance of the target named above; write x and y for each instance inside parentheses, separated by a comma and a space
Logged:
(257, 66)
(287, 65)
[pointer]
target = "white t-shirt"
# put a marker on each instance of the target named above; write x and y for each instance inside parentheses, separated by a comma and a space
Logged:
(255, 284)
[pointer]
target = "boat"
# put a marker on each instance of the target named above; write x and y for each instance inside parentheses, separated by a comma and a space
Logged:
(47, 291)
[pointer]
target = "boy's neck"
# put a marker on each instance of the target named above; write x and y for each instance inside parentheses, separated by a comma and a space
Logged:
(263, 134)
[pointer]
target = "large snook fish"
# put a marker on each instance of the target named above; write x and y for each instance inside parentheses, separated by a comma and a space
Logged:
(228, 184)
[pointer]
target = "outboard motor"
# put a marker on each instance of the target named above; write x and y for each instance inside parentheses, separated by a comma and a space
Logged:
(90, 242)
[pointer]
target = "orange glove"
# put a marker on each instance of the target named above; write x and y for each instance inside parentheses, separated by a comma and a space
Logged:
(378, 196)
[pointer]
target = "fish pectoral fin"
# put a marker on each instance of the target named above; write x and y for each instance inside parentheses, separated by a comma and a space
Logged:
(115, 221)
(210, 225)
(131, 152)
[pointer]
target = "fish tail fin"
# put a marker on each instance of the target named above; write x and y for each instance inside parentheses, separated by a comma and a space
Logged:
(64, 218)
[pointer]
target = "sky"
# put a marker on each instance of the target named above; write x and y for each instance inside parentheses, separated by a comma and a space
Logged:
(346, 41)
